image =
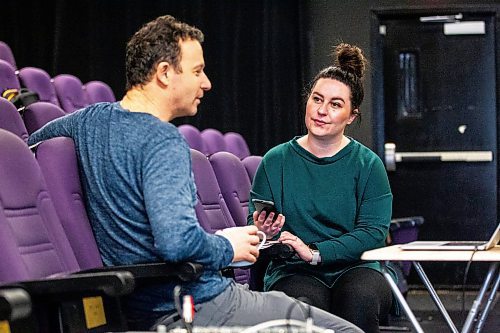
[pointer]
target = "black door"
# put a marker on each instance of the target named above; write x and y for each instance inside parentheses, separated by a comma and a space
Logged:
(435, 103)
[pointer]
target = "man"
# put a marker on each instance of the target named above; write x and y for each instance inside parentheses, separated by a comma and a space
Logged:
(140, 193)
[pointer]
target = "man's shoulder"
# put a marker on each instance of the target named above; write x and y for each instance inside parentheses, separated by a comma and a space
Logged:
(139, 124)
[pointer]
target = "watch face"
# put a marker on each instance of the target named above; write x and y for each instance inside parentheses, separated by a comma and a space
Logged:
(315, 258)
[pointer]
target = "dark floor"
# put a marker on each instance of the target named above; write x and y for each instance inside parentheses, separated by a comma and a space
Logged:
(431, 319)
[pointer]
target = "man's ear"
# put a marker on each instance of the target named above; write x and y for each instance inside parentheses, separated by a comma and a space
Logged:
(163, 71)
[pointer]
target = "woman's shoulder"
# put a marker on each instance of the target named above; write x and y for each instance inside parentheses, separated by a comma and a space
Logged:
(277, 152)
(364, 152)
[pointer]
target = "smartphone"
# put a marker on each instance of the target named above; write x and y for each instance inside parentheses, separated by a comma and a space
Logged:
(265, 205)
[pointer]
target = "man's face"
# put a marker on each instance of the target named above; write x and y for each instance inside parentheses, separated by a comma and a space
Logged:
(189, 85)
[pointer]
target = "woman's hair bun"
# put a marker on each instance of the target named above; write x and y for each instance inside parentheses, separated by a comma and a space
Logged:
(350, 58)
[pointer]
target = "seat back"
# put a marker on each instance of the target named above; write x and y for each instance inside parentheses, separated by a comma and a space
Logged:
(33, 244)
(234, 184)
(236, 144)
(39, 113)
(58, 162)
(215, 215)
(213, 141)
(192, 136)
(69, 90)
(11, 120)
(251, 164)
(8, 78)
(6, 54)
(211, 209)
(98, 91)
(39, 81)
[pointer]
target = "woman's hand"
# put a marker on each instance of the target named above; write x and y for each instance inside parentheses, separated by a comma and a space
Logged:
(303, 251)
(265, 223)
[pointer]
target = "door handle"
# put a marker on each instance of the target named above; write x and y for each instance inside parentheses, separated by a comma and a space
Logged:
(392, 157)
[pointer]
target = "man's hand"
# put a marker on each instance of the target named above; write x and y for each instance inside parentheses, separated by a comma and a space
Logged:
(266, 224)
(244, 241)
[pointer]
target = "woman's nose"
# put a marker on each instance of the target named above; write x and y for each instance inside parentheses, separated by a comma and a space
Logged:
(322, 109)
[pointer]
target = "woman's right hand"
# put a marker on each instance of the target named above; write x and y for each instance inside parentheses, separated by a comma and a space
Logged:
(265, 223)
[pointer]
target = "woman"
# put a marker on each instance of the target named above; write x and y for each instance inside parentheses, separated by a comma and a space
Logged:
(336, 198)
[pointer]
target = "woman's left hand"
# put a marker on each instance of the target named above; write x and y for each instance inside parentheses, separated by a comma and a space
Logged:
(298, 245)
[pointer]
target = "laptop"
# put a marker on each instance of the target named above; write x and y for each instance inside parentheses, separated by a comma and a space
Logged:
(455, 245)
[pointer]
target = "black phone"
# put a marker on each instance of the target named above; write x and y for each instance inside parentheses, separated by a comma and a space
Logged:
(265, 205)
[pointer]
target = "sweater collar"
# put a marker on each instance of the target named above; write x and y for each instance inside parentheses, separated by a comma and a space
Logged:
(321, 160)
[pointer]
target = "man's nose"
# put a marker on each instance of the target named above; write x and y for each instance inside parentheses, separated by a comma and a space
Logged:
(206, 84)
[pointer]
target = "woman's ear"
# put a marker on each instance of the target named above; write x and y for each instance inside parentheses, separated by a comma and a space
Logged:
(354, 114)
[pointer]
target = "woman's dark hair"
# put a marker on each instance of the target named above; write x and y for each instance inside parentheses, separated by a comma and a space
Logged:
(155, 42)
(349, 68)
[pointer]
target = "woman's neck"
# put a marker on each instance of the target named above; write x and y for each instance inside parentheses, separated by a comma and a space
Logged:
(323, 148)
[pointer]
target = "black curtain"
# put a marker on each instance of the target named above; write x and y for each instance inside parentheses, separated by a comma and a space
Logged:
(256, 53)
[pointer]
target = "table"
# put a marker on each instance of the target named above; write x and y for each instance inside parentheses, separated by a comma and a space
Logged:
(488, 288)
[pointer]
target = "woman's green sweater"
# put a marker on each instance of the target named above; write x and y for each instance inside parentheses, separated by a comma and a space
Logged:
(341, 204)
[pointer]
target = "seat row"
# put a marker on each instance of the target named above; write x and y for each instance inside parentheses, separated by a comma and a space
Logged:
(67, 92)
(211, 140)
(34, 117)
(64, 90)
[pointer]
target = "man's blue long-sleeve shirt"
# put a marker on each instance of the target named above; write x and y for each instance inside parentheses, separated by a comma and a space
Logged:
(140, 197)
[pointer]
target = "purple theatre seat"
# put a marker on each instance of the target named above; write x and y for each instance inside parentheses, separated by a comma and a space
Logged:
(235, 187)
(7, 55)
(8, 78)
(11, 120)
(211, 209)
(251, 164)
(69, 90)
(404, 230)
(213, 141)
(34, 246)
(192, 136)
(98, 91)
(33, 242)
(234, 184)
(57, 160)
(236, 144)
(39, 81)
(39, 113)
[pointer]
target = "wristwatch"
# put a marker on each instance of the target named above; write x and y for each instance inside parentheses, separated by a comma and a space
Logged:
(316, 257)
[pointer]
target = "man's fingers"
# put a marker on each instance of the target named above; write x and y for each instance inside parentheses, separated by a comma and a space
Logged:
(254, 240)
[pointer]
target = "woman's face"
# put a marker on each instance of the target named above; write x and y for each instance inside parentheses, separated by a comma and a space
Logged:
(328, 109)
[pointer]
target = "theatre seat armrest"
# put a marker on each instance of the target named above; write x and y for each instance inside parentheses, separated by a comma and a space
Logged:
(406, 222)
(184, 271)
(108, 283)
(15, 303)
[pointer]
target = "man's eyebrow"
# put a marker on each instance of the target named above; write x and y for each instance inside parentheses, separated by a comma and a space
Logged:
(199, 66)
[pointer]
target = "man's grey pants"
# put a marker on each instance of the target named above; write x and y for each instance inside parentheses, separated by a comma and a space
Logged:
(239, 306)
